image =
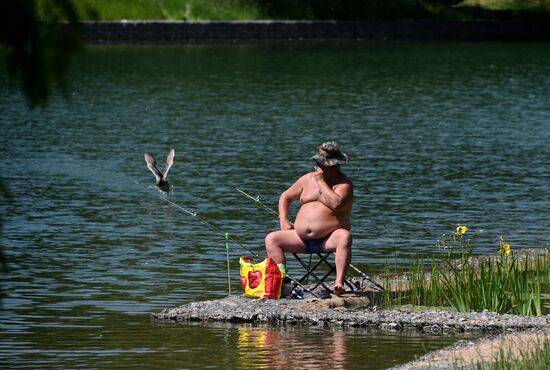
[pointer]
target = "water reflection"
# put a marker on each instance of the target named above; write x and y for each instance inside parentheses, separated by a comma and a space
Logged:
(93, 339)
(283, 349)
(325, 348)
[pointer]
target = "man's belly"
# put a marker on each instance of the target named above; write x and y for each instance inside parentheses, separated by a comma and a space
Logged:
(315, 221)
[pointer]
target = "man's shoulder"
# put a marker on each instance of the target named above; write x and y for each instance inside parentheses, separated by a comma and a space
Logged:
(306, 176)
(346, 180)
(302, 181)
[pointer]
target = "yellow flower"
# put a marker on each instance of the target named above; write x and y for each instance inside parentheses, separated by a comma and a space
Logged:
(506, 249)
(461, 230)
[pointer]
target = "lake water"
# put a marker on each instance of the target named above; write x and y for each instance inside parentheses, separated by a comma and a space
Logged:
(438, 135)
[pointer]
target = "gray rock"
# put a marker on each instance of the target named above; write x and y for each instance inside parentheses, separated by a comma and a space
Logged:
(239, 309)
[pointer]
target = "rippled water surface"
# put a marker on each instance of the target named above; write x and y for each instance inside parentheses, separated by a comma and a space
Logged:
(438, 134)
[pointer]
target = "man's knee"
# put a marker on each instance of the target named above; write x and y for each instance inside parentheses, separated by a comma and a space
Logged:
(271, 240)
(344, 238)
(339, 240)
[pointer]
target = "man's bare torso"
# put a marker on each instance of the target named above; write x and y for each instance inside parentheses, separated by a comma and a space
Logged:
(314, 219)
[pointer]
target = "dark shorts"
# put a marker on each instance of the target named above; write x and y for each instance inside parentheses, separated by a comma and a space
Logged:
(314, 245)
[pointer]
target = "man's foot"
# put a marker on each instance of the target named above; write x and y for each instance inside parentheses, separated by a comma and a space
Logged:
(338, 290)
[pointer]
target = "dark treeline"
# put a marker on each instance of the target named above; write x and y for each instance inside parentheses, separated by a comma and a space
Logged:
(394, 9)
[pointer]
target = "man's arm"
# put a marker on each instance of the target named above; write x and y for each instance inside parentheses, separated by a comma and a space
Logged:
(333, 198)
(337, 198)
(285, 200)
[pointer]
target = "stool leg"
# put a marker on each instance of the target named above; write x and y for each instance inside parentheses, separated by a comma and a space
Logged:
(310, 271)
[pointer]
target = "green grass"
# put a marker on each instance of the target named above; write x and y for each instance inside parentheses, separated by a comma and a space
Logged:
(532, 360)
(504, 284)
(195, 10)
(163, 9)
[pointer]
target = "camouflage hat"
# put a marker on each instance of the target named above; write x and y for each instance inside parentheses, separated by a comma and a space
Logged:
(330, 155)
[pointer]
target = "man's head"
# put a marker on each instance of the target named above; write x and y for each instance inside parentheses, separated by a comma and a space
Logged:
(330, 155)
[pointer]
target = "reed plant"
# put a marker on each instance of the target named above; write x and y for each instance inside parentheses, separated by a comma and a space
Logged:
(392, 294)
(423, 284)
(503, 284)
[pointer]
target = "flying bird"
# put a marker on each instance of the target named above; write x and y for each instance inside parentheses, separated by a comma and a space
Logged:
(160, 178)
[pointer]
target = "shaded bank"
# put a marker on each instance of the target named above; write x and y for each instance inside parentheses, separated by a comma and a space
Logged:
(269, 31)
(195, 10)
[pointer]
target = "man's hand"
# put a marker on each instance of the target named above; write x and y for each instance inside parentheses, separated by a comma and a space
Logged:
(286, 225)
(319, 174)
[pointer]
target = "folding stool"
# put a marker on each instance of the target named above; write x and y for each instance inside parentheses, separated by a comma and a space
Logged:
(310, 271)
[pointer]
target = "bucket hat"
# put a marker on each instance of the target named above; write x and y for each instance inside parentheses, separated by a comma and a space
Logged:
(330, 155)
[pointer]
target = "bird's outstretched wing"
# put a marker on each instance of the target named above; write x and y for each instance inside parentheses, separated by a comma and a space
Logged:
(169, 163)
(152, 165)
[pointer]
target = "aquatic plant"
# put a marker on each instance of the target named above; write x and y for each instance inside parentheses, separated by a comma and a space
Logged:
(461, 230)
(504, 283)
(504, 247)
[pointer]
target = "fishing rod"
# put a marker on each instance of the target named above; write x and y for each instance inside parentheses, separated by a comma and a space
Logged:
(257, 200)
(265, 206)
(230, 239)
(211, 226)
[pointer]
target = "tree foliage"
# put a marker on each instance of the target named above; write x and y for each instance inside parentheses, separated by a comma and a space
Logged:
(38, 51)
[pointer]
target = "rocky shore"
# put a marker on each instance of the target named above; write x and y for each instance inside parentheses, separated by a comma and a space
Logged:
(512, 335)
(358, 309)
(351, 310)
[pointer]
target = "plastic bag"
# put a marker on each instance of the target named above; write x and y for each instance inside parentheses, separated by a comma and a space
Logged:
(262, 280)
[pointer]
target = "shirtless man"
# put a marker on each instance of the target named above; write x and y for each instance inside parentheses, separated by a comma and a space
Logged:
(323, 221)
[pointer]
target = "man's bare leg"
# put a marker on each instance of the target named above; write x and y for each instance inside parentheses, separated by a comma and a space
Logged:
(279, 242)
(340, 242)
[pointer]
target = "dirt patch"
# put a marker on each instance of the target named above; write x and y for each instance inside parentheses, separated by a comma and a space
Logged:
(353, 301)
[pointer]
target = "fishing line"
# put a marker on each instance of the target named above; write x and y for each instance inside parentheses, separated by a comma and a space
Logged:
(210, 225)
(230, 239)
(257, 200)
(265, 206)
